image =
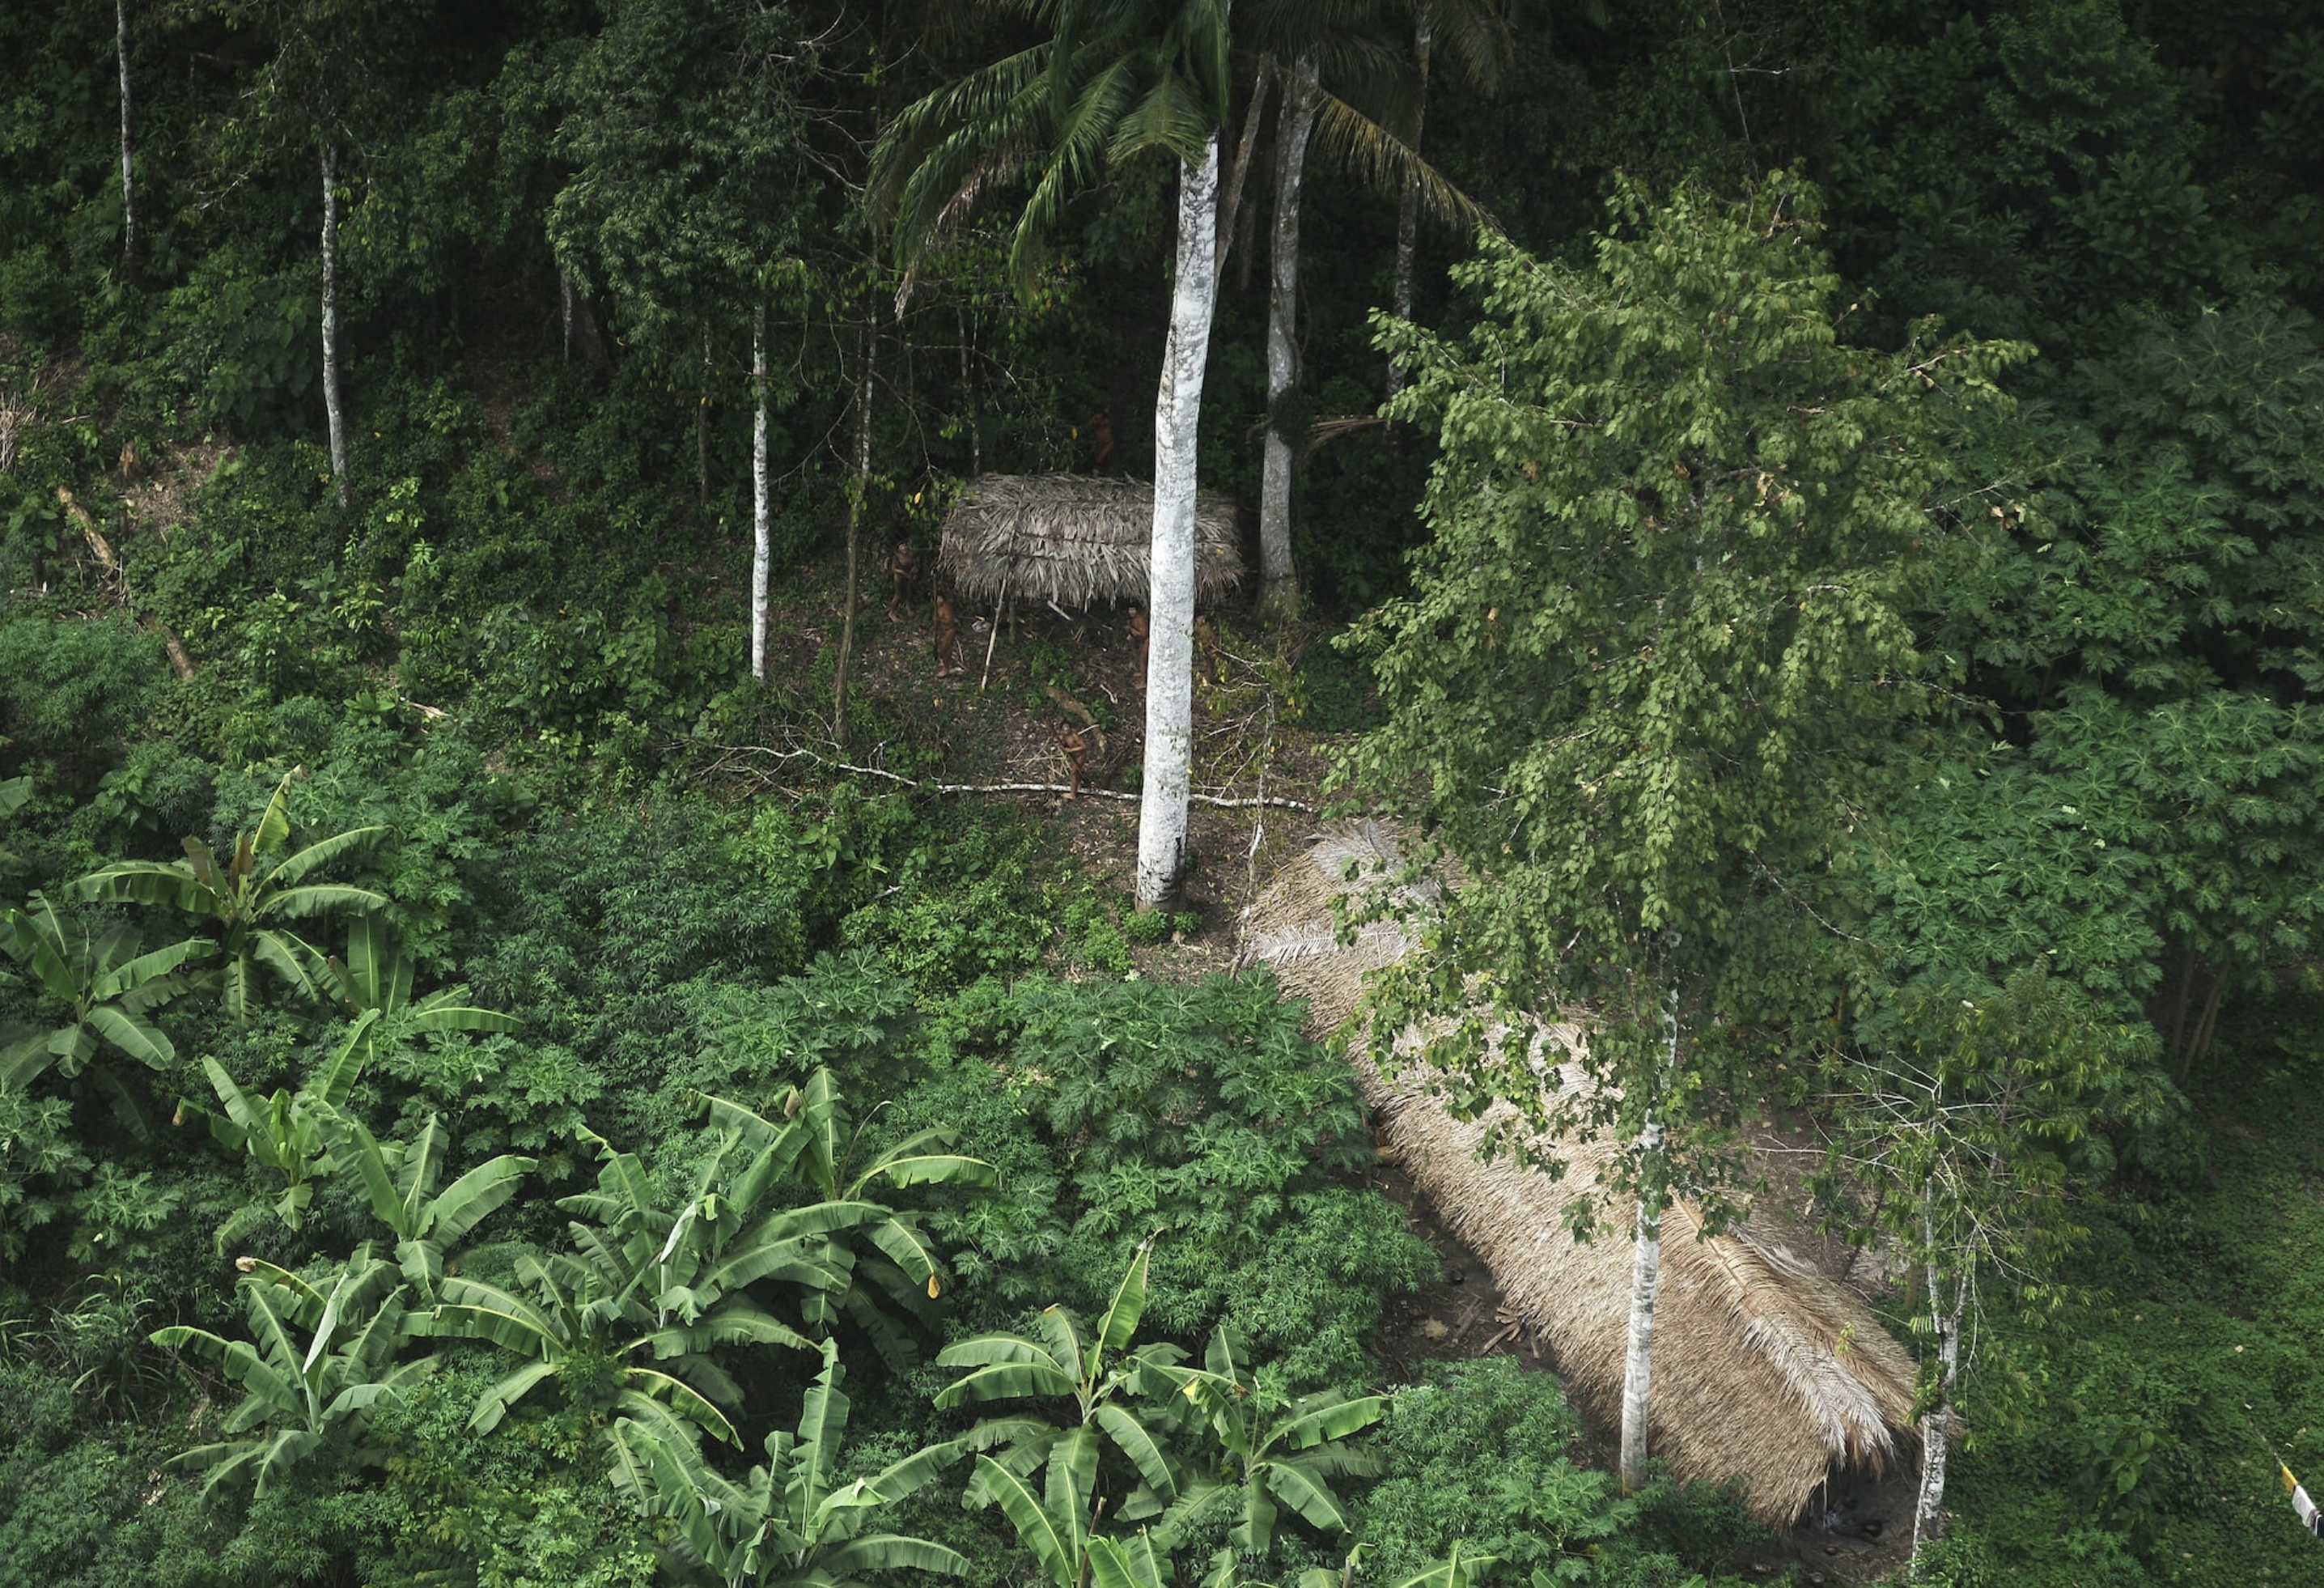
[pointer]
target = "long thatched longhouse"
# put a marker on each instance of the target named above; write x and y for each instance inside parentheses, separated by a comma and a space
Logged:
(1076, 540)
(1765, 1370)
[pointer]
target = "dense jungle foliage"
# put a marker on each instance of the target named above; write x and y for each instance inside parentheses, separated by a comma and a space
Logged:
(492, 1093)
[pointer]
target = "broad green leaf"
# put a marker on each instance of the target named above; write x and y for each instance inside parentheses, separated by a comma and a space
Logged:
(1132, 1437)
(1119, 1324)
(494, 1404)
(1035, 1530)
(1131, 1562)
(890, 1551)
(135, 1035)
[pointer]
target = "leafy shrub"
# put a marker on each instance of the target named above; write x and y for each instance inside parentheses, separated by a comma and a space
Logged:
(1482, 1453)
(69, 690)
(1199, 1113)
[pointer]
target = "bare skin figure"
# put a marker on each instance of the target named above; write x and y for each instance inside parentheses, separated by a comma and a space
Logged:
(904, 573)
(1207, 638)
(1139, 632)
(1075, 746)
(948, 640)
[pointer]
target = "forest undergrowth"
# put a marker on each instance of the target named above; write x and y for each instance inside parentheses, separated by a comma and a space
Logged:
(547, 1039)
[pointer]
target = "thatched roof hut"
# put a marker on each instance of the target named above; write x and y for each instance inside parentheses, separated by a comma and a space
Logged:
(1076, 540)
(1765, 1369)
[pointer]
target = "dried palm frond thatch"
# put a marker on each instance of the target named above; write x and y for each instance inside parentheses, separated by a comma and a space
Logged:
(1076, 540)
(1765, 1369)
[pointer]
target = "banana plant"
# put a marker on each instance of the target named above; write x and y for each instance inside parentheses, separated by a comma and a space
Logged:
(318, 1362)
(1226, 1571)
(883, 1252)
(293, 1134)
(1275, 1452)
(105, 982)
(583, 1324)
(690, 1268)
(13, 793)
(637, 1294)
(401, 1180)
(784, 1525)
(263, 885)
(1096, 1370)
(1467, 1571)
(376, 975)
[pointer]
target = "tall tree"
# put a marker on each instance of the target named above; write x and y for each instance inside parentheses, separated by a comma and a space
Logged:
(329, 85)
(1477, 33)
(128, 189)
(1278, 581)
(1324, 40)
(1116, 80)
(685, 202)
(1955, 1121)
(1646, 661)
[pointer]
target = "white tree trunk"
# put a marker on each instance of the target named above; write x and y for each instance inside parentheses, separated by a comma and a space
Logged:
(968, 394)
(1407, 213)
(760, 549)
(566, 292)
(128, 191)
(1647, 1267)
(702, 424)
(1638, 1363)
(1170, 603)
(867, 356)
(1936, 1423)
(331, 408)
(1278, 580)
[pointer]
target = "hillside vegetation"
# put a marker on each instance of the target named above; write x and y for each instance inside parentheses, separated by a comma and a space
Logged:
(556, 1026)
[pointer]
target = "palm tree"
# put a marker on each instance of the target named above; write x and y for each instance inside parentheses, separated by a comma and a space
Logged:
(426, 1223)
(1334, 38)
(1116, 79)
(1477, 37)
(1096, 1370)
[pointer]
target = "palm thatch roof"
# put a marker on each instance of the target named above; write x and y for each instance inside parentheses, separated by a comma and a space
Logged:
(1076, 540)
(1765, 1369)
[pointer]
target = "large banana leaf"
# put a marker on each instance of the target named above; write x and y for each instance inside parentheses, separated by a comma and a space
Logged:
(1457, 1570)
(1132, 1437)
(1006, 1366)
(892, 1552)
(1035, 1531)
(1131, 1562)
(1121, 1318)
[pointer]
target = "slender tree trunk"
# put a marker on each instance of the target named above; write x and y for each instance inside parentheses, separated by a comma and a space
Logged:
(2199, 1045)
(1645, 1277)
(1171, 600)
(565, 296)
(1230, 200)
(867, 351)
(1936, 1423)
(1407, 213)
(968, 397)
(1639, 1361)
(760, 551)
(128, 190)
(702, 425)
(1278, 580)
(332, 408)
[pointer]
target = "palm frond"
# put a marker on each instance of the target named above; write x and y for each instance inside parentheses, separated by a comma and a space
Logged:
(1370, 153)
